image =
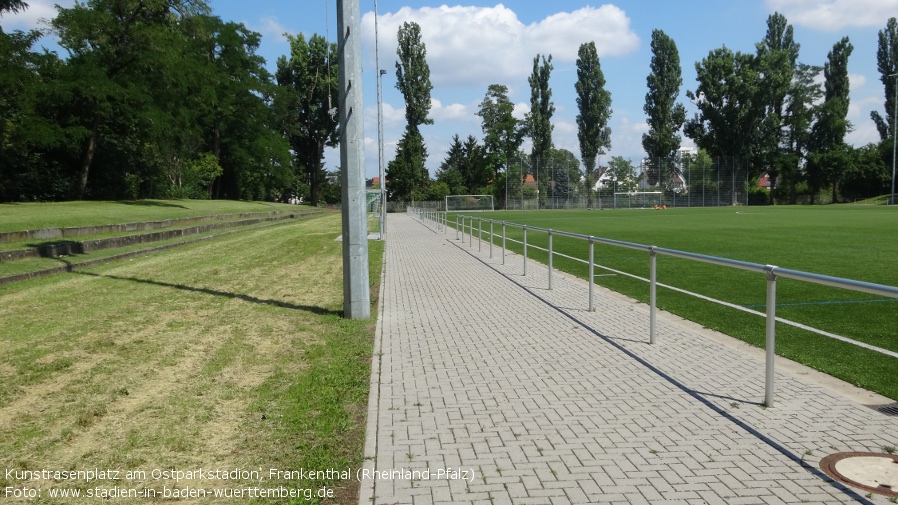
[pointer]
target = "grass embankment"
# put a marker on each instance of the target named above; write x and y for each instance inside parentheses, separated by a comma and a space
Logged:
(227, 354)
(855, 242)
(32, 216)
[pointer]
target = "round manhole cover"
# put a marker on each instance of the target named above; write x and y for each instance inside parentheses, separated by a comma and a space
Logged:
(870, 471)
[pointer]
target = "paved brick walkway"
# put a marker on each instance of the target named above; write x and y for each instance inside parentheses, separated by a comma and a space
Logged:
(539, 401)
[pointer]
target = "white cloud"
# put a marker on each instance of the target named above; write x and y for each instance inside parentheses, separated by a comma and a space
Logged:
(565, 127)
(864, 132)
(856, 81)
(270, 27)
(34, 15)
(521, 110)
(478, 46)
(392, 116)
(626, 139)
(832, 15)
(452, 112)
(870, 102)
(564, 135)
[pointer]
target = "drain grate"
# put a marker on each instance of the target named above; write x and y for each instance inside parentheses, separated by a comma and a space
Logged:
(889, 409)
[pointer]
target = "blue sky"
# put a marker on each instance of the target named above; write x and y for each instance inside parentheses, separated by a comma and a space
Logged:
(473, 44)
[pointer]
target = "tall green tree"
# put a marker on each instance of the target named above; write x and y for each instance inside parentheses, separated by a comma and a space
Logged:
(12, 6)
(539, 122)
(413, 75)
(887, 63)
(407, 172)
(118, 50)
(539, 119)
(800, 111)
(157, 98)
(309, 96)
(777, 57)
(829, 157)
(466, 169)
(407, 177)
(18, 78)
(475, 167)
(622, 174)
(449, 172)
(729, 103)
(238, 122)
(869, 176)
(698, 169)
(594, 105)
(503, 134)
(665, 115)
(563, 170)
(33, 143)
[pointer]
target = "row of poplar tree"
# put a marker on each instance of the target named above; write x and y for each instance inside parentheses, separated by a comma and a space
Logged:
(159, 98)
(765, 107)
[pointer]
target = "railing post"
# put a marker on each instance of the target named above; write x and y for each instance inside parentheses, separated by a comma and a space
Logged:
(503, 242)
(471, 233)
(491, 238)
(592, 278)
(525, 251)
(479, 233)
(770, 345)
(550, 259)
(653, 284)
(456, 227)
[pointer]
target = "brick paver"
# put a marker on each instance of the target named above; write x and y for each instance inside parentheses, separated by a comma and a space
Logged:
(482, 373)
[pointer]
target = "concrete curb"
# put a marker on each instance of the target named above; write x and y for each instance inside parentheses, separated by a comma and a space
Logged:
(367, 487)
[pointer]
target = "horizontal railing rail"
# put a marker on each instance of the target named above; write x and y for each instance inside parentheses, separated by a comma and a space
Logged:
(464, 225)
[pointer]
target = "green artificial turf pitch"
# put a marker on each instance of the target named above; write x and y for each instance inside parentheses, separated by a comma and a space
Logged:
(851, 241)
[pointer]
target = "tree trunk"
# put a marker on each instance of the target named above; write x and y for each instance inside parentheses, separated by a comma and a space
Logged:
(314, 168)
(88, 158)
(216, 142)
(313, 186)
(216, 151)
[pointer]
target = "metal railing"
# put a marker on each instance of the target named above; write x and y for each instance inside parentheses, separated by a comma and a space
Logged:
(432, 218)
(771, 272)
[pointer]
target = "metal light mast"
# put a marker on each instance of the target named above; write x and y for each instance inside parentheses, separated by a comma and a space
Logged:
(380, 131)
(356, 297)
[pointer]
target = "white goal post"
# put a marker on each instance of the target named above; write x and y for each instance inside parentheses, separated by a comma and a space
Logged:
(456, 203)
(638, 199)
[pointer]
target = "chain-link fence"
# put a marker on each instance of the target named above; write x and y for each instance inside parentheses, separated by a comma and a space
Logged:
(673, 182)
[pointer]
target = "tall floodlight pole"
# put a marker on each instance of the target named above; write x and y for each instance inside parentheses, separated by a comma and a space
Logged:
(356, 298)
(380, 131)
(894, 135)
